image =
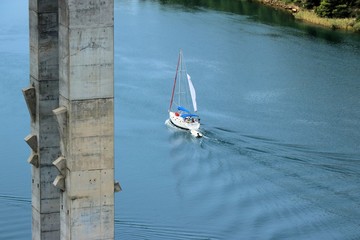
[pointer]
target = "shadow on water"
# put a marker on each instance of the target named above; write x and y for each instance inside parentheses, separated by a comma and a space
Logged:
(263, 14)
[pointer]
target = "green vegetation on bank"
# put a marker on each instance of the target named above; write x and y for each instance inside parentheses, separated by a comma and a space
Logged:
(336, 14)
(333, 8)
(351, 24)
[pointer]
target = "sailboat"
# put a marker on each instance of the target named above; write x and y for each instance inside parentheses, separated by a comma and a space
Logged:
(183, 98)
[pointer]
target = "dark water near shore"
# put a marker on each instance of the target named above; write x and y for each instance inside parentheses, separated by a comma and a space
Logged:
(280, 107)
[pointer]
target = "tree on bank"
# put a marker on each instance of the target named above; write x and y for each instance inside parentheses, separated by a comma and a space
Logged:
(334, 8)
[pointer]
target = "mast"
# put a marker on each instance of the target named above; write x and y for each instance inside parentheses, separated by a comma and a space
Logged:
(179, 92)
(173, 90)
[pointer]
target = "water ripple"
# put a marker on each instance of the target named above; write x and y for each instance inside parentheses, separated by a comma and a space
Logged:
(260, 188)
(12, 199)
(134, 229)
(18, 226)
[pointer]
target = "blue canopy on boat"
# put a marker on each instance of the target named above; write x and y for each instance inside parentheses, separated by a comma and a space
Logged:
(180, 108)
(188, 115)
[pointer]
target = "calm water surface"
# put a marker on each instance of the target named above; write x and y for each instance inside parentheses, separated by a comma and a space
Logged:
(280, 107)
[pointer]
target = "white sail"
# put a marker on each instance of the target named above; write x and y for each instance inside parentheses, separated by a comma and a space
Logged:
(192, 92)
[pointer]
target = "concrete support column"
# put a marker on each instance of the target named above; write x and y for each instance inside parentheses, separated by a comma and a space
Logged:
(42, 96)
(86, 119)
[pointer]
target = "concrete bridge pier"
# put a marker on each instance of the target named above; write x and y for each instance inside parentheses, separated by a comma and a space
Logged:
(71, 103)
(42, 96)
(86, 120)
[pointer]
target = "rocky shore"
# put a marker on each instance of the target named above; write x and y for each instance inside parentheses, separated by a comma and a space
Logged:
(281, 5)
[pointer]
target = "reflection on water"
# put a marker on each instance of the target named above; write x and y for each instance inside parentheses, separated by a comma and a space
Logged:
(254, 10)
(260, 13)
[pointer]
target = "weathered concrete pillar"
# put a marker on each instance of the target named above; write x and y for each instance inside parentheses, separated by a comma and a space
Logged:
(86, 119)
(42, 96)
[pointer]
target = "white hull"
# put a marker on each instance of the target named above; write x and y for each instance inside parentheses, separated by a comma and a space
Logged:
(183, 123)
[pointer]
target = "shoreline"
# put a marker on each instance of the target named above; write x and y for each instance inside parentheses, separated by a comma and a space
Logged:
(309, 16)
